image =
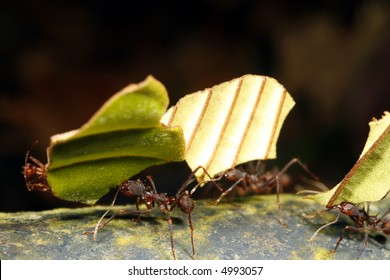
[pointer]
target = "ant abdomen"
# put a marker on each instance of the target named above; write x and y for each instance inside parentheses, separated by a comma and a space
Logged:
(186, 204)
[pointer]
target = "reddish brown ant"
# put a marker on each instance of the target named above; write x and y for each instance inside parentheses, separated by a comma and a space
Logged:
(259, 181)
(365, 223)
(35, 174)
(148, 195)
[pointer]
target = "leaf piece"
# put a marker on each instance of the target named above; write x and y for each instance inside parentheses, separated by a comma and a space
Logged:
(231, 123)
(124, 137)
(369, 178)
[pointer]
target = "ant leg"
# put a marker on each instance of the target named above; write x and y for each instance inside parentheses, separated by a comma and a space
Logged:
(227, 191)
(384, 215)
(211, 179)
(150, 179)
(278, 190)
(191, 178)
(27, 157)
(351, 228)
(338, 241)
(37, 162)
(48, 157)
(186, 205)
(169, 219)
(365, 240)
(260, 167)
(192, 233)
(364, 228)
(38, 187)
(292, 162)
(275, 179)
(137, 206)
(208, 181)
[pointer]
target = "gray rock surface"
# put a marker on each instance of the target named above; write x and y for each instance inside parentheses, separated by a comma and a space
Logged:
(247, 229)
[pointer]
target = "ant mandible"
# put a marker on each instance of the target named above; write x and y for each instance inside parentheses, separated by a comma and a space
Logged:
(365, 223)
(35, 174)
(148, 194)
(258, 181)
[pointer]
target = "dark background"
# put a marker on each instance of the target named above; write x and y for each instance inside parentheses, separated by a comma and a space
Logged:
(60, 60)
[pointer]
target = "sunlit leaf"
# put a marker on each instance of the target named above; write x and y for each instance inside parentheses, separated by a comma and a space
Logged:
(231, 123)
(369, 178)
(124, 137)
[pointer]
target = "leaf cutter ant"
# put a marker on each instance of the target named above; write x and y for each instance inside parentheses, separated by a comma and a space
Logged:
(259, 181)
(34, 173)
(364, 222)
(147, 194)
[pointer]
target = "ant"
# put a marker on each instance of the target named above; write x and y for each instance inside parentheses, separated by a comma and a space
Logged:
(35, 174)
(258, 181)
(365, 223)
(147, 194)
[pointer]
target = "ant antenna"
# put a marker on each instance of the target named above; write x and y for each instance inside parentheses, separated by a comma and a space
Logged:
(98, 225)
(326, 225)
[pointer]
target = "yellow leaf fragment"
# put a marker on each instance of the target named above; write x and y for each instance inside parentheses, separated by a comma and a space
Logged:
(377, 127)
(231, 123)
(369, 179)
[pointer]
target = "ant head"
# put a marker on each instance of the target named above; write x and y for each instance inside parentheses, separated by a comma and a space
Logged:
(35, 178)
(348, 209)
(28, 171)
(233, 174)
(132, 188)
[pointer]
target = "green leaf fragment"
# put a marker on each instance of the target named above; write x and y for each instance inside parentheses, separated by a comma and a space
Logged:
(369, 179)
(142, 143)
(123, 138)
